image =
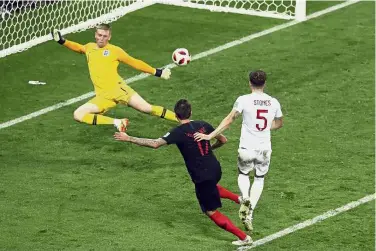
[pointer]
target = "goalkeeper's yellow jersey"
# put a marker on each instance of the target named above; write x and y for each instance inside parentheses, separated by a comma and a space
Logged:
(103, 64)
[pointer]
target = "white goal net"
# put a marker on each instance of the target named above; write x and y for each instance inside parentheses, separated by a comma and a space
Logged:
(27, 23)
(284, 9)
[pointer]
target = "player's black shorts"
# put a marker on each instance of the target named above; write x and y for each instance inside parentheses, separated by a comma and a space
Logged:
(208, 195)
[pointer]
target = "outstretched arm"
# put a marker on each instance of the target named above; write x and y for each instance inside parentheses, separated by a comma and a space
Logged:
(142, 66)
(74, 46)
(135, 63)
(226, 122)
(152, 143)
(56, 35)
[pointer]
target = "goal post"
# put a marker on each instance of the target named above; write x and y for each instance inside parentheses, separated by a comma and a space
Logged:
(25, 24)
(301, 10)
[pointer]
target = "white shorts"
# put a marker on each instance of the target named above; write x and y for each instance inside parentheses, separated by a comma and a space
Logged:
(258, 160)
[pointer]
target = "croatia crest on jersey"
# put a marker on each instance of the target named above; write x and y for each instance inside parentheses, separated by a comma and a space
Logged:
(106, 53)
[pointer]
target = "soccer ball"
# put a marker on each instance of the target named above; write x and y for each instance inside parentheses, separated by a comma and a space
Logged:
(181, 56)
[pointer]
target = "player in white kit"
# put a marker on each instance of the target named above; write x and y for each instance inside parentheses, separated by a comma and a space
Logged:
(261, 113)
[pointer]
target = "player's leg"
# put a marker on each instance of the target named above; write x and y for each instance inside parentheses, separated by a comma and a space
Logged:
(245, 166)
(246, 162)
(126, 95)
(261, 169)
(138, 103)
(208, 196)
(245, 210)
(225, 223)
(224, 193)
(87, 113)
(90, 112)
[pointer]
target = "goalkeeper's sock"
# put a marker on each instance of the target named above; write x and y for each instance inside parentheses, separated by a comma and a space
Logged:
(225, 223)
(244, 185)
(97, 119)
(162, 112)
(256, 190)
(224, 193)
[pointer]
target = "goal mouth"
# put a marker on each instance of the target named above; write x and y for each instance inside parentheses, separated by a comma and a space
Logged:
(26, 24)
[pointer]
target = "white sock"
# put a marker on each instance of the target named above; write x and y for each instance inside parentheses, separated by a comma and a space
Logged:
(256, 190)
(117, 122)
(244, 185)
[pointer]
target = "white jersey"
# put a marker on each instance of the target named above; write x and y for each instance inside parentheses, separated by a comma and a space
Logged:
(259, 111)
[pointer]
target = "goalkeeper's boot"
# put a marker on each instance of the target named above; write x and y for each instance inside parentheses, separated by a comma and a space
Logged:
(245, 206)
(247, 241)
(122, 126)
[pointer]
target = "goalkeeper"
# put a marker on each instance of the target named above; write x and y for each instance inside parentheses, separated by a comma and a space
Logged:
(110, 89)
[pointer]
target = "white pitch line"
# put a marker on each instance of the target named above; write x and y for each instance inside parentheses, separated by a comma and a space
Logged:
(309, 222)
(195, 57)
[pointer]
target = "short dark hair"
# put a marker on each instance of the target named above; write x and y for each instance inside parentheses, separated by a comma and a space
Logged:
(257, 78)
(183, 109)
(105, 27)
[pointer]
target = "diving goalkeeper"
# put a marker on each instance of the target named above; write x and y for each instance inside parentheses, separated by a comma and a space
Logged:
(110, 89)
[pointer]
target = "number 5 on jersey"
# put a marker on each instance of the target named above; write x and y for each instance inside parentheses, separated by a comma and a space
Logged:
(260, 116)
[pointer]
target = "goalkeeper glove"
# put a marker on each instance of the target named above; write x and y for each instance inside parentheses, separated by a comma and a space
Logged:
(56, 35)
(163, 73)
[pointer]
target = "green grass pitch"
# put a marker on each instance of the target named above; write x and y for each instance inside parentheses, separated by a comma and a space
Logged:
(70, 186)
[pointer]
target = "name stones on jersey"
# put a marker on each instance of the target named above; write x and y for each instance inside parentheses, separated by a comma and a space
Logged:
(262, 102)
